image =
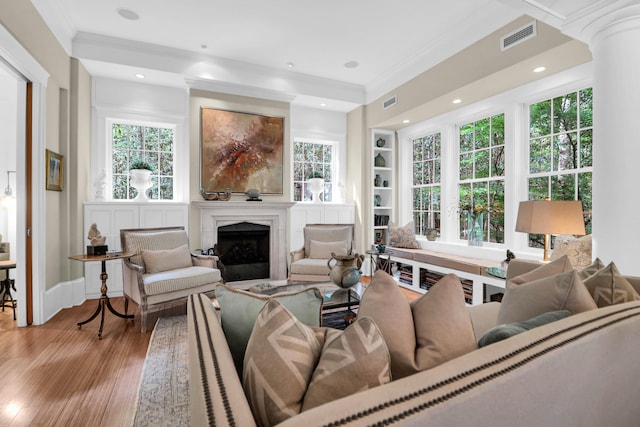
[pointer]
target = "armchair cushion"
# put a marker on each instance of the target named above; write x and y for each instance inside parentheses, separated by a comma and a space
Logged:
(179, 279)
(167, 259)
(327, 233)
(323, 250)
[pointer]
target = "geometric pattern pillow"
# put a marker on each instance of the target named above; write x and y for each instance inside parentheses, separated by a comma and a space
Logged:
(290, 367)
(609, 287)
(403, 237)
(564, 291)
(431, 330)
(587, 271)
(239, 309)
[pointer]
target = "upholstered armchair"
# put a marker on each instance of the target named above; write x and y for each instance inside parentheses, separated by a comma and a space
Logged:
(309, 263)
(163, 271)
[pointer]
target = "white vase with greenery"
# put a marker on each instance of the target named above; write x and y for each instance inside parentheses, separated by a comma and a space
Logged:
(316, 185)
(140, 174)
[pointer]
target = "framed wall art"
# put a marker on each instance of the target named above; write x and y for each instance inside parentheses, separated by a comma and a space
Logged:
(55, 171)
(241, 151)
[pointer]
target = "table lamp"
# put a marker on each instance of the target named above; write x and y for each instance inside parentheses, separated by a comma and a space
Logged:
(550, 217)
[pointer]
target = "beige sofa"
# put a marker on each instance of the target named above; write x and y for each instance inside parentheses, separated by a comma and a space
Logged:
(578, 371)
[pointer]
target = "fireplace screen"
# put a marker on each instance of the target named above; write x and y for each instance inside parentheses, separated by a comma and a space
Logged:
(243, 250)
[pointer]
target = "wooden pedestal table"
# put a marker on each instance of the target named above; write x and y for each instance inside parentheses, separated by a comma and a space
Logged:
(103, 303)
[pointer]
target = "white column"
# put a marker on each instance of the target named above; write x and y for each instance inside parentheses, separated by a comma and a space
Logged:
(614, 37)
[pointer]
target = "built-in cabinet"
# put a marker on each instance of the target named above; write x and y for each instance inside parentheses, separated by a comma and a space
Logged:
(383, 183)
(110, 218)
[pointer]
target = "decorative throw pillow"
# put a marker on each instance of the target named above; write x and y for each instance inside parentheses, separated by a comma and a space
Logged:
(608, 287)
(429, 331)
(552, 268)
(290, 367)
(239, 309)
(502, 332)
(166, 259)
(403, 237)
(577, 249)
(564, 291)
(323, 250)
(587, 271)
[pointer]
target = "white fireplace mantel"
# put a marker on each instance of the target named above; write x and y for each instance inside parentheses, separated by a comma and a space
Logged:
(274, 214)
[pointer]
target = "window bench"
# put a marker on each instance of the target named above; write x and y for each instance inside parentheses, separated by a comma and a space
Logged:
(418, 269)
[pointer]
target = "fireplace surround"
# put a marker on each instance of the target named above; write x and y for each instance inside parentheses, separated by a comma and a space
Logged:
(215, 214)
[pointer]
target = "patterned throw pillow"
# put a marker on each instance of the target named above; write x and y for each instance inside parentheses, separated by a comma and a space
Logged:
(431, 330)
(239, 309)
(577, 249)
(608, 287)
(403, 237)
(290, 367)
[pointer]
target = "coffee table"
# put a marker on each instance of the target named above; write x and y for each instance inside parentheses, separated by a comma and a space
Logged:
(334, 296)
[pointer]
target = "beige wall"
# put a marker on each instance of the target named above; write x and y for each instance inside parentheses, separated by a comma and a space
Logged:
(201, 98)
(66, 130)
(358, 172)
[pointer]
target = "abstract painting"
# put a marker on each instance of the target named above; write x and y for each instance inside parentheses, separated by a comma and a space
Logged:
(241, 151)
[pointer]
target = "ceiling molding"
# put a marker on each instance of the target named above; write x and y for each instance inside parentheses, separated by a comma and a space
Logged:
(240, 90)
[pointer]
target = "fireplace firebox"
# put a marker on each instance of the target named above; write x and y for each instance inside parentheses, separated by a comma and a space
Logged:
(243, 249)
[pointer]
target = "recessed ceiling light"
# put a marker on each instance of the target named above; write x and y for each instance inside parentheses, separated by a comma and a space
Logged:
(405, 121)
(128, 14)
(290, 64)
(140, 76)
(351, 64)
(457, 101)
(323, 104)
(539, 69)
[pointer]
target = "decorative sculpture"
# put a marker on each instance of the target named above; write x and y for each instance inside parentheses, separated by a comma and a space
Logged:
(97, 240)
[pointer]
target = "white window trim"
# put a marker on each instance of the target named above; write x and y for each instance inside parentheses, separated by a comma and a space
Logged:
(101, 156)
(338, 174)
(514, 105)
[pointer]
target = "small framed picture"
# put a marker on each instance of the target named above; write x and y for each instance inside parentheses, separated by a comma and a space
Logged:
(55, 171)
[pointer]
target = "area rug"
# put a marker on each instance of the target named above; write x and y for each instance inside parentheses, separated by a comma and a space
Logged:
(163, 395)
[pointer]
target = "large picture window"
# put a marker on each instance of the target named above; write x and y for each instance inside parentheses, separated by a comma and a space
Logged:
(560, 151)
(426, 183)
(150, 143)
(312, 159)
(481, 178)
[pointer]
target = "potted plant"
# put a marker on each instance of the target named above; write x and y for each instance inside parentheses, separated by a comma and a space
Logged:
(316, 185)
(140, 172)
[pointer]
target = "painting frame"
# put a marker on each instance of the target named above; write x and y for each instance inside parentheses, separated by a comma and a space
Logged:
(55, 171)
(241, 151)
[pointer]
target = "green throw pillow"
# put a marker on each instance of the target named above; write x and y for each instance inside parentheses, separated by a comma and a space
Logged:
(502, 332)
(239, 310)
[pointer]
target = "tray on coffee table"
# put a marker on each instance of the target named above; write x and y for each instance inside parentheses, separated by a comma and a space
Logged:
(334, 296)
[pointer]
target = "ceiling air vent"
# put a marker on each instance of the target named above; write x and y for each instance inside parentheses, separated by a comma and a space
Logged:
(518, 36)
(390, 102)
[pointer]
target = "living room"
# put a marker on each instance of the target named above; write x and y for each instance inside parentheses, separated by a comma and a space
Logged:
(55, 277)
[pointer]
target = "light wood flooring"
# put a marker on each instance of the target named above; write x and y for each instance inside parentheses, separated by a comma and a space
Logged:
(58, 375)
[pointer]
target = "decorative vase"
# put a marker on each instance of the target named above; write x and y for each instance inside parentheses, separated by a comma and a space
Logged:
(316, 185)
(380, 142)
(345, 270)
(377, 200)
(379, 161)
(431, 234)
(475, 228)
(377, 181)
(141, 181)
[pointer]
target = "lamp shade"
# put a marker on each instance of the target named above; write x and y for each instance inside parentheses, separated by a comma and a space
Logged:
(551, 217)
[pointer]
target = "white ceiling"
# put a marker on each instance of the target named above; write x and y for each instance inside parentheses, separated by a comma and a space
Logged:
(248, 43)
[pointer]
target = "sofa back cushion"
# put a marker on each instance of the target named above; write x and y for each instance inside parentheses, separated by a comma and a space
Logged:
(431, 330)
(328, 233)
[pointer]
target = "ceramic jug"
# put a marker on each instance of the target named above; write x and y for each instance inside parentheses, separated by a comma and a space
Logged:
(345, 270)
